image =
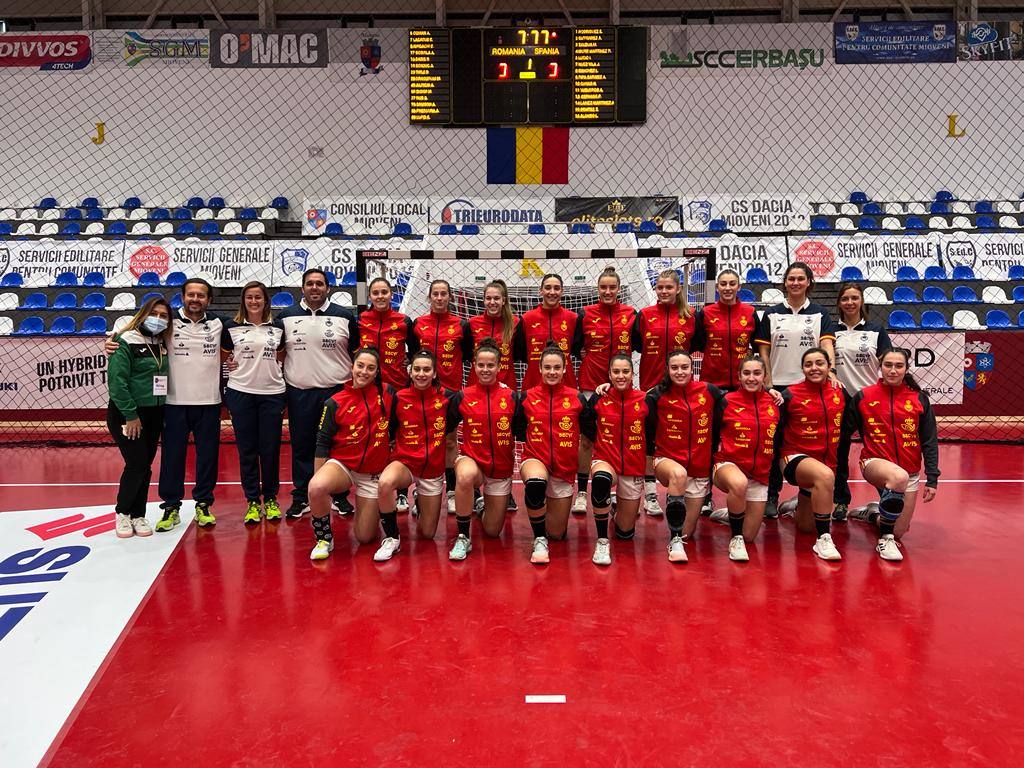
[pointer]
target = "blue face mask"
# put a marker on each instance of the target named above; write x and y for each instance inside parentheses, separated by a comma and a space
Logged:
(155, 325)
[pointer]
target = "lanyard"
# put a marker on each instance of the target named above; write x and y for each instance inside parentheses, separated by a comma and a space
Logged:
(159, 360)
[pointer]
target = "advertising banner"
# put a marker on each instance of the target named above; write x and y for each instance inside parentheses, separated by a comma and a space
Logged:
(221, 262)
(937, 363)
(754, 212)
(269, 49)
(334, 256)
(365, 215)
(895, 42)
(59, 372)
(159, 47)
(877, 256)
(991, 41)
(742, 48)
(612, 210)
(45, 51)
(461, 211)
(989, 255)
(40, 261)
(732, 252)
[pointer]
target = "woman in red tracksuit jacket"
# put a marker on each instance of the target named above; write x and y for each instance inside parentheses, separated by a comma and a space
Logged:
(549, 321)
(486, 411)
(616, 425)
(498, 323)
(812, 419)
(548, 421)
(724, 332)
(679, 437)
(419, 415)
(745, 424)
(898, 427)
(389, 332)
(351, 452)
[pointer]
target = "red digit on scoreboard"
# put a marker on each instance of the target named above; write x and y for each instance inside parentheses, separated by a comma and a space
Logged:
(552, 70)
(503, 70)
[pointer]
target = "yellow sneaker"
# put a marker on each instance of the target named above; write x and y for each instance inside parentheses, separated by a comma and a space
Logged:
(170, 518)
(271, 509)
(204, 516)
(252, 513)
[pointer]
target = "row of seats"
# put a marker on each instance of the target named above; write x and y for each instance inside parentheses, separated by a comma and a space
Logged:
(963, 319)
(61, 326)
(133, 202)
(919, 208)
(152, 214)
(825, 224)
(961, 294)
(74, 228)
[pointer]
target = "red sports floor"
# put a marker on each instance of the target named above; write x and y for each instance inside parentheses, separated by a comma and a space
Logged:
(246, 654)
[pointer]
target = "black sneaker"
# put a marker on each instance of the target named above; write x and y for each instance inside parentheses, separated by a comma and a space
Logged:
(771, 509)
(840, 512)
(512, 506)
(297, 509)
(707, 508)
(343, 505)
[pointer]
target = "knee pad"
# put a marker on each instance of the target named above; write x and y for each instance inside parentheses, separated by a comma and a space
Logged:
(625, 535)
(890, 505)
(600, 489)
(535, 493)
(675, 502)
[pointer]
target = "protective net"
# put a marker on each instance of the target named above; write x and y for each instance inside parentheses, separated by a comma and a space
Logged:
(250, 140)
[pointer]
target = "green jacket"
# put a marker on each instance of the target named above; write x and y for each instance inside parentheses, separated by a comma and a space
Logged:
(130, 373)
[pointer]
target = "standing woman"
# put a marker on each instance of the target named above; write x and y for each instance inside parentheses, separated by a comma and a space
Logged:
(486, 410)
(548, 421)
(351, 452)
(745, 424)
(255, 398)
(724, 331)
(620, 455)
(446, 336)
(137, 384)
(547, 322)
(785, 332)
(604, 329)
(859, 345)
(812, 418)
(498, 324)
(902, 434)
(417, 427)
(680, 438)
(660, 329)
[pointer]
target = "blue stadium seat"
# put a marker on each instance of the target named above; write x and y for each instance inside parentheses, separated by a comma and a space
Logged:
(904, 274)
(73, 214)
(182, 214)
(580, 228)
(94, 301)
(996, 318)
(746, 296)
(934, 295)
(195, 203)
(247, 214)
(130, 203)
(964, 294)
(94, 280)
(1016, 272)
(175, 279)
(623, 227)
(90, 202)
(93, 214)
(280, 203)
(872, 209)
(536, 229)
(849, 274)
(34, 301)
(470, 229)
(1018, 294)
(5, 229)
(348, 279)
(332, 279)
(71, 229)
(176, 302)
(282, 300)
(402, 229)
(149, 279)
(867, 224)
(756, 275)
(334, 229)
(209, 228)
(944, 196)
(186, 228)
(117, 228)
(66, 280)
(932, 319)
(985, 222)
(216, 203)
(900, 319)
(47, 202)
(648, 226)
(718, 225)
(12, 280)
(914, 222)
(62, 326)
(159, 214)
(1020, 319)
(983, 206)
(934, 273)
(65, 301)
(938, 207)
(858, 197)
(820, 224)
(94, 325)
(150, 295)
(963, 273)
(903, 295)
(29, 326)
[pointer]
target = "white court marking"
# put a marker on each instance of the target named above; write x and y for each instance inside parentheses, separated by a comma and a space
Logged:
(80, 593)
(546, 698)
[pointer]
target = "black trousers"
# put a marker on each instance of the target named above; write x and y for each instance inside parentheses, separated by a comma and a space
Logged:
(257, 420)
(305, 406)
(203, 423)
(138, 455)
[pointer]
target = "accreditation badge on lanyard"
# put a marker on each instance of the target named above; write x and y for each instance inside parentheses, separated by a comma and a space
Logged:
(159, 379)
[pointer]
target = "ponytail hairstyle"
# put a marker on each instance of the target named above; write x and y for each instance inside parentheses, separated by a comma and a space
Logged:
(682, 302)
(372, 352)
(752, 359)
(908, 378)
(424, 354)
(852, 286)
(805, 269)
(813, 350)
(620, 356)
(551, 348)
(557, 277)
(379, 280)
(446, 284)
(507, 318)
(666, 381)
(610, 272)
(489, 344)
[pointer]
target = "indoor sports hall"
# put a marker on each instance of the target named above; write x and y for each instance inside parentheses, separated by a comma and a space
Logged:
(538, 383)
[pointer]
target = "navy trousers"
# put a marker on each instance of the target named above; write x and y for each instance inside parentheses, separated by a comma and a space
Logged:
(257, 421)
(203, 423)
(305, 406)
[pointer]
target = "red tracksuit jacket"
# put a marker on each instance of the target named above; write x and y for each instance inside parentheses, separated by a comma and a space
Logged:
(354, 428)
(447, 337)
(681, 425)
(419, 421)
(486, 414)
(618, 422)
(603, 330)
(482, 326)
(657, 332)
(537, 326)
(390, 333)
(745, 424)
(724, 332)
(812, 420)
(548, 421)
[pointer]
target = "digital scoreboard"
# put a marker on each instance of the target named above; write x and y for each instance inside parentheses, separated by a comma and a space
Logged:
(528, 76)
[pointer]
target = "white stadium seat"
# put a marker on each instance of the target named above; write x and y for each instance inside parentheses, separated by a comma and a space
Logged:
(8, 301)
(849, 209)
(961, 222)
(29, 214)
(232, 228)
(270, 213)
(6, 326)
(141, 228)
(894, 208)
(341, 298)
(892, 223)
(845, 223)
(226, 214)
(50, 214)
(993, 294)
(135, 214)
(163, 228)
(916, 209)
(1005, 206)
(255, 228)
(49, 228)
(938, 222)
(121, 322)
(203, 213)
(965, 319)
(25, 228)
(121, 302)
(827, 209)
(94, 228)
(8, 214)
(875, 296)
(1009, 222)
(959, 206)
(771, 296)
(115, 214)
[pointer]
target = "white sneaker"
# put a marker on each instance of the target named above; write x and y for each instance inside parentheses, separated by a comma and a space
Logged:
(322, 550)
(651, 506)
(720, 516)
(676, 550)
(738, 550)
(450, 496)
(478, 506)
(461, 548)
(388, 549)
(141, 526)
(602, 552)
(888, 549)
(540, 551)
(123, 526)
(401, 503)
(825, 548)
(787, 508)
(579, 506)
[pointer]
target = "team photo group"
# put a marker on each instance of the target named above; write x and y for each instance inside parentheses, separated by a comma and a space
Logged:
(389, 414)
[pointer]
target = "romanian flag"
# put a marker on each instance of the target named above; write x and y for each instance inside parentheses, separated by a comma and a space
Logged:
(528, 155)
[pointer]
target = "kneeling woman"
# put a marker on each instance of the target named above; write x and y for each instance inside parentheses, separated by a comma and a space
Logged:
(418, 422)
(679, 435)
(812, 418)
(745, 424)
(486, 460)
(548, 422)
(620, 454)
(902, 433)
(351, 452)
